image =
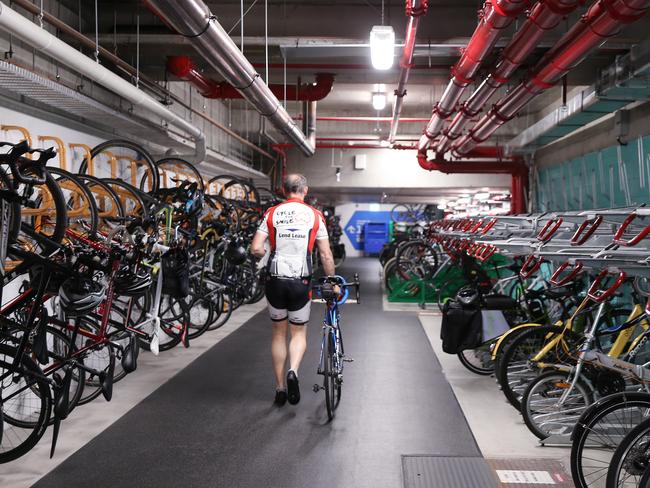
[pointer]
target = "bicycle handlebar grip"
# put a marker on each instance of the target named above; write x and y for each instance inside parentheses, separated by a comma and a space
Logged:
(586, 230)
(557, 281)
(598, 295)
(549, 229)
(530, 266)
(618, 237)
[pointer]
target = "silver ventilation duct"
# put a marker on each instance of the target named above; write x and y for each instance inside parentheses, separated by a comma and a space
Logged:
(193, 19)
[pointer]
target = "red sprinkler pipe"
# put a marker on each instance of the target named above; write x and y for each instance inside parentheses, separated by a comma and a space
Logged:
(414, 10)
(184, 68)
(602, 21)
(514, 167)
(543, 17)
(494, 17)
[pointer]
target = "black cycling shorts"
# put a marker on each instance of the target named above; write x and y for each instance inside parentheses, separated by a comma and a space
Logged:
(289, 298)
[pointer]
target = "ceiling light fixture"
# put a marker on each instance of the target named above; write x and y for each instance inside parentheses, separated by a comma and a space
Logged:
(382, 47)
(379, 97)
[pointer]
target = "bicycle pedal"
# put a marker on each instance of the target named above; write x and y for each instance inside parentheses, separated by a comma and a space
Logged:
(317, 388)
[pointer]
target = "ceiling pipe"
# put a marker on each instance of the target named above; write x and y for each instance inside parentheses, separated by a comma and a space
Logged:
(309, 120)
(602, 21)
(336, 118)
(494, 18)
(515, 167)
(37, 37)
(193, 19)
(184, 68)
(414, 10)
(544, 16)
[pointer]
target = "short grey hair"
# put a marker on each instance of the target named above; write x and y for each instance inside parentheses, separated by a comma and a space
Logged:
(294, 183)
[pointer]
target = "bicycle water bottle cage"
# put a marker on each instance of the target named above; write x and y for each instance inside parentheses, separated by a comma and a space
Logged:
(599, 295)
(549, 229)
(586, 230)
(636, 238)
(530, 266)
(559, 280)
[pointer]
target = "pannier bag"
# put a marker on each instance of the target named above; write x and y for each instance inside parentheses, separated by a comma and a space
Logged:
(176, 273)
(461, 329)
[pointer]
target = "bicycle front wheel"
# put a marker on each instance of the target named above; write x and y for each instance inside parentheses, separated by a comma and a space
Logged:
(330, 378)
(630, 462)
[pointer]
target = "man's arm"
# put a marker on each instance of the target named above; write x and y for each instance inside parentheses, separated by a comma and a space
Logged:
(326, 258)
(257, 246)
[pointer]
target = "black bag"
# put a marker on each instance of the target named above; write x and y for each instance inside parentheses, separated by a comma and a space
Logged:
(176, 273)
(462, 328)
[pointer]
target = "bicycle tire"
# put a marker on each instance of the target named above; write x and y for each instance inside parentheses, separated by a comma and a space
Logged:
(143, 157)
(13, 210)
(60, 222)
(557, 381)
(328, 376)
(188, 170)
(525, 345)
(635, 469)
(226, 312)
(198, 325)
(110, 210)
(485, 369)
(40, 387)
(92, 222)
(588, 423)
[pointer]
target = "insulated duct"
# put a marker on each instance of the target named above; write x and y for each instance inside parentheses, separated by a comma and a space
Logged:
(494, 18)
(193, 19)
(37, 37)
(602, 21)
(184, 68)
(543, 17)
(414, 10)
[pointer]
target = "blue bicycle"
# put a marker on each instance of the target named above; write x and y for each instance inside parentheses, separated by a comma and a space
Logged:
(332, 356)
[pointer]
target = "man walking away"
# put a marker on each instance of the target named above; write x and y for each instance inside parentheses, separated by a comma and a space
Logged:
(292, 228)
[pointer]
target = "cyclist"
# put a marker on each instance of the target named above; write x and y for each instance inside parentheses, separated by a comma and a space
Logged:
(292, 229)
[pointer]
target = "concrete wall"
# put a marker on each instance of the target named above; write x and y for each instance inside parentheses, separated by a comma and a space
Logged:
(387, 169)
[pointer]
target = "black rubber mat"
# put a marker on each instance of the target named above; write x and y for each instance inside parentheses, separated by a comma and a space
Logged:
(213, 424)
(447, 472)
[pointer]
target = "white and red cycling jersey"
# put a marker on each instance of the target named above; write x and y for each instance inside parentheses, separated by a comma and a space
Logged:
(293, 228)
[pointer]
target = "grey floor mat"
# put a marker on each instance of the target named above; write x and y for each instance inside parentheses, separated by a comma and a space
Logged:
(213, 425)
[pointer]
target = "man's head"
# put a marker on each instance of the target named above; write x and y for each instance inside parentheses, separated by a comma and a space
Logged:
(295, 185)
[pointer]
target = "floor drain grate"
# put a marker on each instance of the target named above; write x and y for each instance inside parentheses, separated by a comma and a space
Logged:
(447, 472)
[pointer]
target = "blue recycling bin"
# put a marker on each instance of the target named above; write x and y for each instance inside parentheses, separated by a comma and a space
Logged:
(375, 235)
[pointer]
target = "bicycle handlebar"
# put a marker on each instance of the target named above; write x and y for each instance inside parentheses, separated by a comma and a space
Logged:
(13, 157)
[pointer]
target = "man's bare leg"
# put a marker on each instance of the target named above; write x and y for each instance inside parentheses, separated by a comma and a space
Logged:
(297, 345)
(279, 352)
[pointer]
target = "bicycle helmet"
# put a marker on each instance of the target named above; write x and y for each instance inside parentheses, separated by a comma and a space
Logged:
(131, 284)
(80, 295)
(468, 296)
(236, 252)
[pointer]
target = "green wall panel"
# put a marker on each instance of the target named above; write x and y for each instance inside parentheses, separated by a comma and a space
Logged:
(613, 177)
